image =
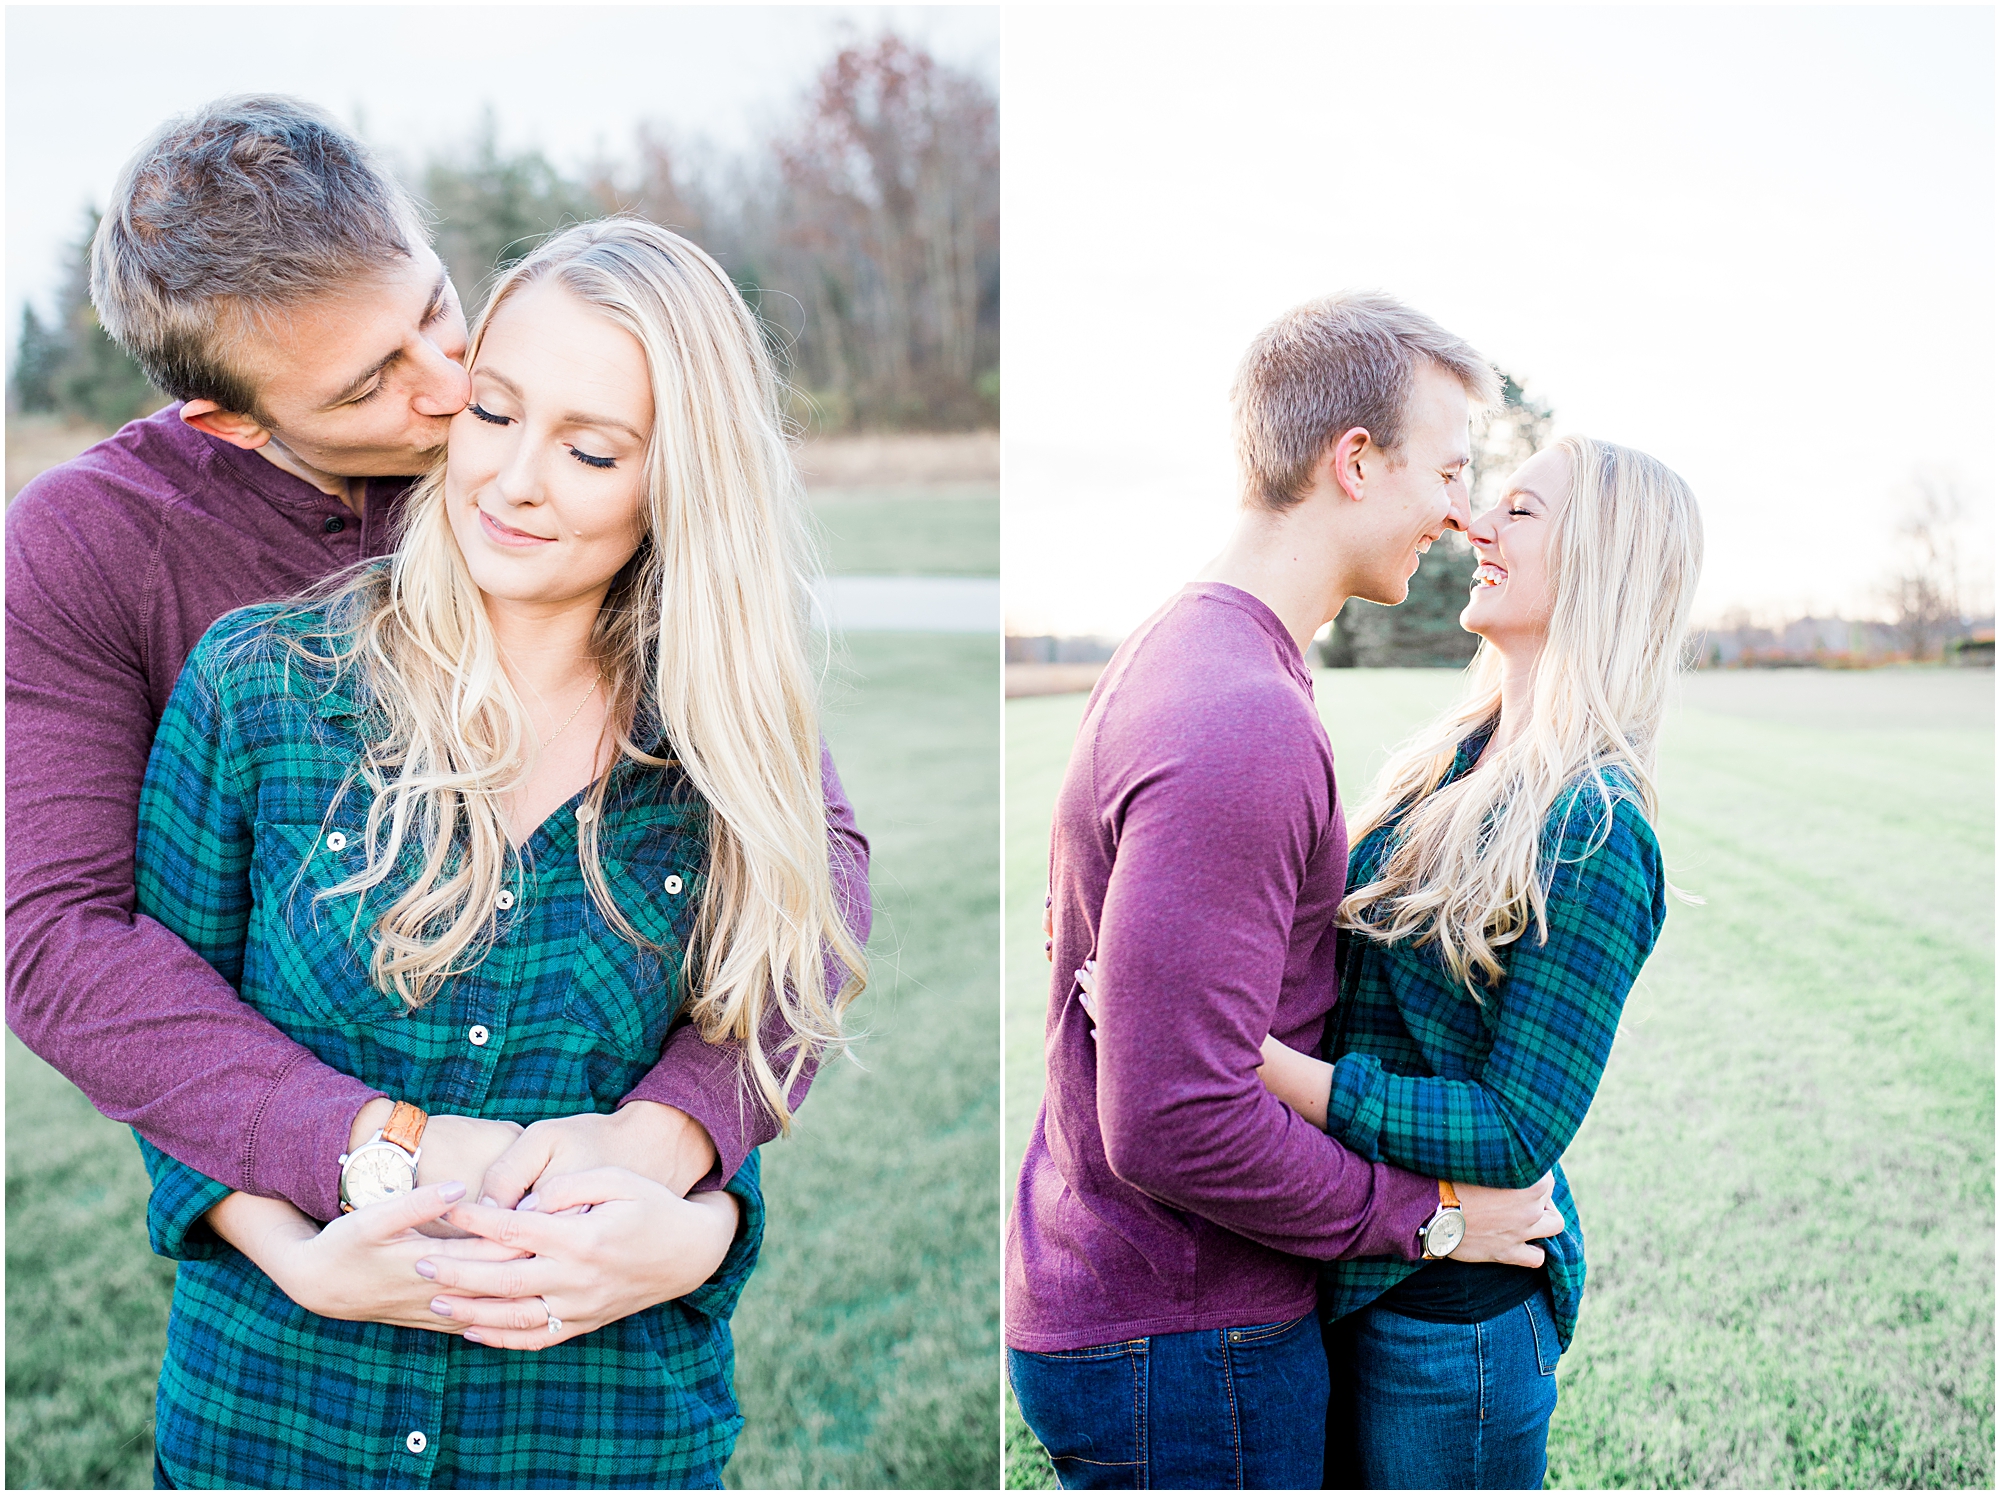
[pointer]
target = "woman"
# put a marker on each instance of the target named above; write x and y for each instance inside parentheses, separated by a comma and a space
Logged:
(475, 825)
(1505, 889)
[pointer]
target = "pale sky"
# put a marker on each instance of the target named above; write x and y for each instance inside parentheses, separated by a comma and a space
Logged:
(87, 84)
(1757, 243)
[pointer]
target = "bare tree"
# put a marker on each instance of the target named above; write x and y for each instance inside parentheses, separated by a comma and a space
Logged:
(1924, 592)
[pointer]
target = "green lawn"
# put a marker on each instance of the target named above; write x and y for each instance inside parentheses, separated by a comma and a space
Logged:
(1787, 1178)
(868, 1339)
(903, 531)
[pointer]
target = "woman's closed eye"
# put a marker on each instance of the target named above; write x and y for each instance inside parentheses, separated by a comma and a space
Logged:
(589, 461)
(488, 416)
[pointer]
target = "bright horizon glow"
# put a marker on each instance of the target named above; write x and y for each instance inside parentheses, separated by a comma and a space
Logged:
(1757, 243)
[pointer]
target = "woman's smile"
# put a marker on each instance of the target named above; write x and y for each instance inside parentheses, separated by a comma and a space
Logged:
(506, 534)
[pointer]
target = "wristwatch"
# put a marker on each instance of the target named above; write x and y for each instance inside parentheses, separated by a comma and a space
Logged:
(1442, 1232)
(386, 1164)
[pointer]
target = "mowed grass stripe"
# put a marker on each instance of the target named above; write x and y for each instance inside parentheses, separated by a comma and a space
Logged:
(1786, 1179)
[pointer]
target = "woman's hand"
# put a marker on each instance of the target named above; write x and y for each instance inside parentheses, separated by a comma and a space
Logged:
(639, 1244)
(362, 1267)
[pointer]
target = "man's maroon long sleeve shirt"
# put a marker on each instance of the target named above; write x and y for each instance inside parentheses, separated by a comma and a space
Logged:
(1199, 853)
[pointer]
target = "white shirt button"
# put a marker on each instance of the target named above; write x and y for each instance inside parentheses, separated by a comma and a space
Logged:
(478, 1035)
(416, 1442)
(674, 884)
(585, 814)
(337, 841)
(506, 899)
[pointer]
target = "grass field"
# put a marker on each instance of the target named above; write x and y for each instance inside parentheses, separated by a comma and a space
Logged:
(1787, 1177)
(946, 530)
(868, 1337)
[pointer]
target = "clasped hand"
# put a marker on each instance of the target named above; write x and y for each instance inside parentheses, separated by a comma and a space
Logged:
(593, 1243)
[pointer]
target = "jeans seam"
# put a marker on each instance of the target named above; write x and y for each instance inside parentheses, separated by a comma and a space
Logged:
(1229, 1391)
(1479, 1428)
(1141, 1360)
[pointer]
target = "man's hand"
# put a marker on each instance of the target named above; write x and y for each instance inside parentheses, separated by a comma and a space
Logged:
(604, 1244)
(657, 1142)
(453, 1148)
(1501, 1223)
(461, 1148)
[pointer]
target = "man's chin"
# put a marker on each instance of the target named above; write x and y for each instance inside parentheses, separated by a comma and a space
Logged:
(1387, 593)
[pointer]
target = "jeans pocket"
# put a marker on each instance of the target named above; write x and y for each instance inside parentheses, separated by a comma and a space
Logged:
(1088, 1409)
(1542, 1324)
(1264, 1333)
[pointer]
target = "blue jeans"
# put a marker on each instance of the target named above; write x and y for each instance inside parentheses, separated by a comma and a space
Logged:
(1421, 1406)
(1210, 1409)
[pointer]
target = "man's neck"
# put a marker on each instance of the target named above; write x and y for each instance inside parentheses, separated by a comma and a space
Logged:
(351, 491)
(1287, 563)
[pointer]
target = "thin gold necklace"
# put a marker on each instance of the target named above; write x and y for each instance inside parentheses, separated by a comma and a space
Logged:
(576, 713)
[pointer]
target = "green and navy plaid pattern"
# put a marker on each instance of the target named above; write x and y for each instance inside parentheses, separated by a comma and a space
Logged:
(1427, 1079)
(241, 823)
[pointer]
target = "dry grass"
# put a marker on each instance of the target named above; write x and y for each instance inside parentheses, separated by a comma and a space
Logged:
(35, 443)
(928, 460)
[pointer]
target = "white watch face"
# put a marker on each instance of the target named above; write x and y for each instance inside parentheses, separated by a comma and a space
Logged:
(379, 1171)
(1446, 1231)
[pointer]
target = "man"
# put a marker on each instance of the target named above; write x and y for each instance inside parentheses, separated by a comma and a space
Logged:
(268, 276)
(1162, 1250)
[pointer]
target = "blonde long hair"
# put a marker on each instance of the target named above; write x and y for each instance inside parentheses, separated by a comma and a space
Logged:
(1468, 865)
(703, 639)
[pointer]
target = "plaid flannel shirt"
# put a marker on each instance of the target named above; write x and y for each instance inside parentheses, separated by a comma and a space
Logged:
(241, 824)
(1491, 1094)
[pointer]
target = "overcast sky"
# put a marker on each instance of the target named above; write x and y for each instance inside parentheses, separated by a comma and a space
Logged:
(1757, 243)
(87, 84)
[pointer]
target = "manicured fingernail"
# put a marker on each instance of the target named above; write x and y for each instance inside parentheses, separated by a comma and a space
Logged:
(441, 1308)
(452, 1192)
(425, 1269)
(531, 1202)
(489, 1201)
(471, 1336)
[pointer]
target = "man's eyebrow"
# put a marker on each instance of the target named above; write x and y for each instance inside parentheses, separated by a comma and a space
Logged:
(571, 417)
(359, 384)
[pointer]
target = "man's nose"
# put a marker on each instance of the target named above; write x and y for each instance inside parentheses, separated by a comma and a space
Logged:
(444, 386)
(1459, 516)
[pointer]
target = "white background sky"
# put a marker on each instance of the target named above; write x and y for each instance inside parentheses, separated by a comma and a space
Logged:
(86, 84)
(1756, 242)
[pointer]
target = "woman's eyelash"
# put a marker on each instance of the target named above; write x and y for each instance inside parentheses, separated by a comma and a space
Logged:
(488, 416)
(589, 461)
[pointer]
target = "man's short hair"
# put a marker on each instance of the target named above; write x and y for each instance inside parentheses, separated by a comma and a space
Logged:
(249, 206)
(1326, 367)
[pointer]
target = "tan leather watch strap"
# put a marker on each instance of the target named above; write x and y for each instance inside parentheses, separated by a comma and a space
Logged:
(406, 1126)
(1447, 1195)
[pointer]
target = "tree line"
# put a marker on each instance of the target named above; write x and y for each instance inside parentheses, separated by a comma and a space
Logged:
(866, 235)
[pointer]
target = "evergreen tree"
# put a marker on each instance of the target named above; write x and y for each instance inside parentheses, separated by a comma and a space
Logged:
(73, 368)
(32, 388)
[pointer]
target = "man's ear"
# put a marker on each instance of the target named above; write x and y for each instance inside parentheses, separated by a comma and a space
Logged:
(244, 431)
(1340, 464)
